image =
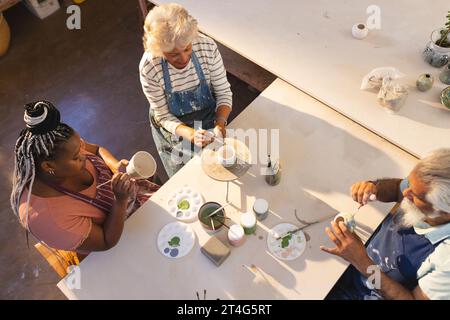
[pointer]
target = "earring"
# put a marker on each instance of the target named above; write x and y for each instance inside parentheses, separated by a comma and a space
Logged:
(52, 172)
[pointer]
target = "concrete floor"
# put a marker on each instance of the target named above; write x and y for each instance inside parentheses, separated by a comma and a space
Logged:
(91, 75)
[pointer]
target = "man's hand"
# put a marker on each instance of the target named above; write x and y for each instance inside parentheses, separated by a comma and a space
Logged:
(348, 246)
(361, 191)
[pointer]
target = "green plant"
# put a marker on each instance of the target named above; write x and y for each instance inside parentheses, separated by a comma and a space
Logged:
(443, 40)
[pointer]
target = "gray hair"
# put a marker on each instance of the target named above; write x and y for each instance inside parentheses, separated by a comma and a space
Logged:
(167, 27)
(434, 170)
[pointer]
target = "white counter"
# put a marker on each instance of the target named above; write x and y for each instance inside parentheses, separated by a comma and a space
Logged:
(309, 44)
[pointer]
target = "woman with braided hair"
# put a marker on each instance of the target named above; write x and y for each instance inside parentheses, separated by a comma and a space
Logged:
(55, 193)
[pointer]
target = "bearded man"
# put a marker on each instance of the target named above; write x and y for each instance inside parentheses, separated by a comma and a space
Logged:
(411, 249)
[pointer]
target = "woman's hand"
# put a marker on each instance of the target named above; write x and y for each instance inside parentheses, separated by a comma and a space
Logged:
(203, 138)
(362, 191)
(220, 131)
(122, 186)
(348, 246)
(119, 166)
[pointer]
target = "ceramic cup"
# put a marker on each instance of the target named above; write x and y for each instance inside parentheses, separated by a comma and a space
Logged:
(445, 75)
(445, 97)
(360, 31)
(435, 55)
(424, 82)
(141, 166)
(347, 218)
(226, 156)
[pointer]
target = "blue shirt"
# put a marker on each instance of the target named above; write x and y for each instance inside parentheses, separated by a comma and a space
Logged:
(434, 273)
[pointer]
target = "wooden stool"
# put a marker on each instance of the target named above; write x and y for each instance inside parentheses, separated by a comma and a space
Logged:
(59, 260)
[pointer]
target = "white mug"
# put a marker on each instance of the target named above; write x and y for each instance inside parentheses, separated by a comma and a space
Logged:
(230, 156)
(141, 166)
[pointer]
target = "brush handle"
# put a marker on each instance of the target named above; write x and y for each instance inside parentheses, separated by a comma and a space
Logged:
(106, 182)
(217, 210)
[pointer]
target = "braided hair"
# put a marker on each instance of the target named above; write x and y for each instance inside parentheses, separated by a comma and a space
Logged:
(40, 140)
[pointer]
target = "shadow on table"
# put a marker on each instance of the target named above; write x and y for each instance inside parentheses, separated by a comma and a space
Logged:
(319, 160)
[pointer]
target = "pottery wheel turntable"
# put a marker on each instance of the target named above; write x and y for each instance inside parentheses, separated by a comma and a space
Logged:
(217, 171)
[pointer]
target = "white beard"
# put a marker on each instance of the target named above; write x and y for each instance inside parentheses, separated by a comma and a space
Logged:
(411, 215)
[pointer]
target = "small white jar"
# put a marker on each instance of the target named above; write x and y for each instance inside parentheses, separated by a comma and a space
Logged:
(261, 209)
(248, 222)
(360, 31)
(236, 235)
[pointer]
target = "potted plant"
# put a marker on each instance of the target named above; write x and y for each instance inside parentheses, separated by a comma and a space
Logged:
(437, 51)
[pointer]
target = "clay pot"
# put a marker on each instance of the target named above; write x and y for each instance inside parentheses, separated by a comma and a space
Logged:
(435, 55)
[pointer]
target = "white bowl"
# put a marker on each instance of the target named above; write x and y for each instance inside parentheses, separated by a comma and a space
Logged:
(360, 31)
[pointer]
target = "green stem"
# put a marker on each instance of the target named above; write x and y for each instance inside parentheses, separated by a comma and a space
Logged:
(443, 38)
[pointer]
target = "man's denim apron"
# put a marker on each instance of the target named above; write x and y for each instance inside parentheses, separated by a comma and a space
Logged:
(399, 252)
(188, 106)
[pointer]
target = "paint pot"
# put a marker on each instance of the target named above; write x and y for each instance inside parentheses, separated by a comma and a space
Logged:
(348, 219)
(236, 235)
(424, 82)
(248, 222)
(261, 209)
(360, 31)
(214, 223)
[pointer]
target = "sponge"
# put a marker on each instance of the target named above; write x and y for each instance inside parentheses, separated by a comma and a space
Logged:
(215, 250)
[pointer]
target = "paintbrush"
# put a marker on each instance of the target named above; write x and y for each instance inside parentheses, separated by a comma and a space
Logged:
(217, 210)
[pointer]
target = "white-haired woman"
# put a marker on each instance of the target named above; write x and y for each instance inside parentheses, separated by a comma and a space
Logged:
(183, 78)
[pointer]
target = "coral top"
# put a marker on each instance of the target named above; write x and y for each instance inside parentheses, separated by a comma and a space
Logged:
(62, 222)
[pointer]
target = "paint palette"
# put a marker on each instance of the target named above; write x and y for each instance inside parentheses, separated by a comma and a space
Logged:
(184, 203)
(288, 248)
(175, 240)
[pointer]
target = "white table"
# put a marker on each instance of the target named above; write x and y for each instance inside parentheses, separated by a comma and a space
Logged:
(323, 153)
(309, 44)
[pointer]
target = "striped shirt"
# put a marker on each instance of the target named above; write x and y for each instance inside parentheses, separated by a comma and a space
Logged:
(152, 80)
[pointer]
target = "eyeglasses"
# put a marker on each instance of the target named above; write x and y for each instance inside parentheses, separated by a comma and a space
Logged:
(408, 187)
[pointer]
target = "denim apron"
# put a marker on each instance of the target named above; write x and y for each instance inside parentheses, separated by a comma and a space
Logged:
(399, 252)
(190, 107)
